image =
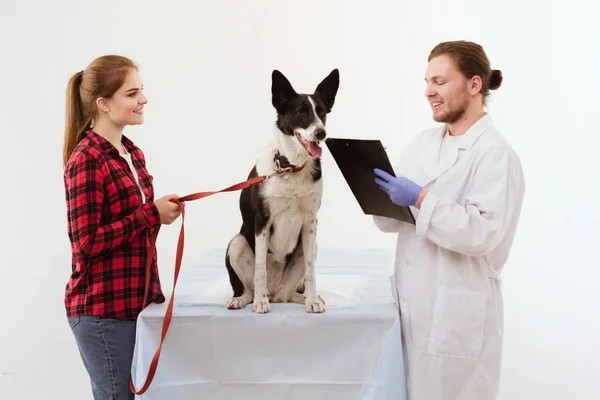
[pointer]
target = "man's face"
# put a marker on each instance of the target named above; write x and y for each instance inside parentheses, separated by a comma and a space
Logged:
(447, 90)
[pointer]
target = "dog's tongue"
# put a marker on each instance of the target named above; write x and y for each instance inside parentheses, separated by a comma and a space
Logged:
(315, 149)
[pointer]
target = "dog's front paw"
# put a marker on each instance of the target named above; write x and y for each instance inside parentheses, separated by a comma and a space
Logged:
(236, 303)
(315, 305)
(261, 305)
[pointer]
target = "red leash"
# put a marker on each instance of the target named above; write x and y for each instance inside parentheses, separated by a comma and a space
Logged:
(180, 244)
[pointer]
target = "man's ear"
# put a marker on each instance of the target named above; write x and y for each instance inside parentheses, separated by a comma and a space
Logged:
(475, 85)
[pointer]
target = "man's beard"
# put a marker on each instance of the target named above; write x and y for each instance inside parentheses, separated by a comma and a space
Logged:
(453, 115)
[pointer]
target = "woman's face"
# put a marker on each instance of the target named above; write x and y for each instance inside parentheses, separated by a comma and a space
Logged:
(126, 106)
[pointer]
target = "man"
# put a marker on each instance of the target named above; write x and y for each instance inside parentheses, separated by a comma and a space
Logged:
(465, 185)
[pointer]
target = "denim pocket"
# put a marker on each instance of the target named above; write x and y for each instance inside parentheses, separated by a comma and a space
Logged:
(73, 321)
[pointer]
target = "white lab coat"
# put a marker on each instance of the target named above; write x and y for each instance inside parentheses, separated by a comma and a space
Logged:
(446, 278)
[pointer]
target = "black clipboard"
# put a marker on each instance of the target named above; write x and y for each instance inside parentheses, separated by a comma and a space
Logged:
(356, 159)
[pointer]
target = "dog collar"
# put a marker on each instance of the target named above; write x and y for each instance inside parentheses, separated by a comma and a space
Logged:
(289, 167)
(298, 169)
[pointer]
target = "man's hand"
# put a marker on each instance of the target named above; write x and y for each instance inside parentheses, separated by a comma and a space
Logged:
(402, 191)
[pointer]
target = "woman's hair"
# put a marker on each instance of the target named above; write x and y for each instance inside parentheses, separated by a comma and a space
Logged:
(102, 78)
(471, 60)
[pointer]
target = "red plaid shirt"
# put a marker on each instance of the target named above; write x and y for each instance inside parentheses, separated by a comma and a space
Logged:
(109, 230)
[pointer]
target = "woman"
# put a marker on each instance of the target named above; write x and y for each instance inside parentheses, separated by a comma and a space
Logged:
(111, 212)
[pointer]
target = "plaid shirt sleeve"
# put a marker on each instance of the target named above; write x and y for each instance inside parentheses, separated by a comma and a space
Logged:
(91, 236)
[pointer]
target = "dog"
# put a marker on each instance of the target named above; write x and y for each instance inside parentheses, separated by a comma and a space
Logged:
(272, 258)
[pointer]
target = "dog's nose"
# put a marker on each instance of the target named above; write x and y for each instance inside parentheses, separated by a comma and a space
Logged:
(320, 134)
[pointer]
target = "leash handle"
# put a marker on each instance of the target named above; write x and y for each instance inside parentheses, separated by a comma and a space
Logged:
(180, 245)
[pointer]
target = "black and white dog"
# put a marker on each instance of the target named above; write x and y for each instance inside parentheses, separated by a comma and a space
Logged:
(272, 259)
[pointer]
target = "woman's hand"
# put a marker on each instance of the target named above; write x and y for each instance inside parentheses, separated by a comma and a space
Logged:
(169, 210)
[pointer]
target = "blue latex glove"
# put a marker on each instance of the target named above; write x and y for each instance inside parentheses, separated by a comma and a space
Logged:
(402, 191)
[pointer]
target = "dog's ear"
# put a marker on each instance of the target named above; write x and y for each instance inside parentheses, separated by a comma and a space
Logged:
(328, 88)
(281, 90)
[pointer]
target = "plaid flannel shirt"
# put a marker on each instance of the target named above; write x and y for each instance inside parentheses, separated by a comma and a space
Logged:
(109, 230)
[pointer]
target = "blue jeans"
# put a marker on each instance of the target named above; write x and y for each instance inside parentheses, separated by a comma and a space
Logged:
(106, 347)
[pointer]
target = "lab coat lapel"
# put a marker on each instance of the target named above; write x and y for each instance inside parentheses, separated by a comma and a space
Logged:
(433, 167)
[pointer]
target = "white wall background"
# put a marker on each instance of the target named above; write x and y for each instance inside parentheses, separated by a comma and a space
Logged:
(206, 67)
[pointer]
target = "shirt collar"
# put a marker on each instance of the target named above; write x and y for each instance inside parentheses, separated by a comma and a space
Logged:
(107, 146)
(467, 139)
